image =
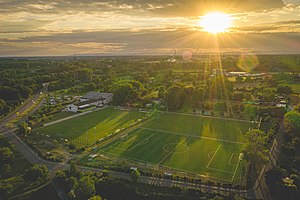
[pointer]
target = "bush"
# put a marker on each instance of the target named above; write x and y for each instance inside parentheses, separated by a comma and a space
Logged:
(36, 173)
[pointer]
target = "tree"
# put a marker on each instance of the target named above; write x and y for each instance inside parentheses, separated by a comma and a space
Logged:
(292, 122)
(85, 74)
(5, 189)
(86, 188)
(175, 97)
(6, 169)
(74, 169)
(284, 89)
(23, 128)
(3, 107)
(96, 198)
(297, 108)
(10, 94)
(60, 176)
(37, 172)
(5, 155)
(72, 194)
(135, 175)
(124, 93)
(72, 182)
(255, 150)
(238, 96)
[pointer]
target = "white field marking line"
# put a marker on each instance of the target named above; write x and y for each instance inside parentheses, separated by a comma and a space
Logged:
(140, 143)
(171, 151)
(107, 146)
(151, 164)
(118, 141)
(209, 154)
(195, 136)
(230, 159)
(207, 166)
(211, 117)
(229, 162)
(224, 171)
(237, 165)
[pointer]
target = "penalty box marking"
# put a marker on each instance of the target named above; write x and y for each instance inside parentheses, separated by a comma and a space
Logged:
(232, 155)
(138, 144)
(224, 171)
(151, 164)
(207, 166)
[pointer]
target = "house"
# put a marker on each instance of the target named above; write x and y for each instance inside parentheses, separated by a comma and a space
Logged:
(91, 99)
(72, 108)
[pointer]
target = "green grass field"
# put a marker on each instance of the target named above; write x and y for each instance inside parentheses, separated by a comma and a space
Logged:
(209, 147)
(58, 116)
(88, 128)
(295, 88)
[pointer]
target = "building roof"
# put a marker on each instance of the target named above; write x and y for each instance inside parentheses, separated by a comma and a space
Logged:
(97, 95)
(86, 102)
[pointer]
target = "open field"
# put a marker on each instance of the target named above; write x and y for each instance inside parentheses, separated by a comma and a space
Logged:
(295, 88)
(226, 129)
(87, 129)
(209, 147)
(58, 116)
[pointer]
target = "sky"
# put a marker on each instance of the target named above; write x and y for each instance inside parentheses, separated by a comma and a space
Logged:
(145, 27)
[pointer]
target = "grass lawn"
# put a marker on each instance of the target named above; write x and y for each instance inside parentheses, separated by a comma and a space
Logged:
(202, 126)
(209, 147)
(58, 116)
(88, 128)
(295, 88)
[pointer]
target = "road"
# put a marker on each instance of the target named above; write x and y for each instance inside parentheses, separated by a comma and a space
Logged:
(33, 157)
(30, 102)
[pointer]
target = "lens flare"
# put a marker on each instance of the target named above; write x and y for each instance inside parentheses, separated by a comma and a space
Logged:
(248, 62)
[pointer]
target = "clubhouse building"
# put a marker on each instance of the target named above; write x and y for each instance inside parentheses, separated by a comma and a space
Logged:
(92, 99)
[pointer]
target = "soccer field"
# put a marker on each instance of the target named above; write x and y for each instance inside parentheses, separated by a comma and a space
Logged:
(209, 147)
(88, 128)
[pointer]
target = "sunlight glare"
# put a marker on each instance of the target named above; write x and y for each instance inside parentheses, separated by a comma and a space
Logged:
(216, 22)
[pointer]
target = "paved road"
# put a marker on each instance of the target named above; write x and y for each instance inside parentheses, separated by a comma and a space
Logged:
(30, 102)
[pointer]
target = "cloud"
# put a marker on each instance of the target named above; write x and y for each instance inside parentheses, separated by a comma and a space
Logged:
(22, 26)
(124, 42)
(285, 26)
(158, 7)
(122, 27)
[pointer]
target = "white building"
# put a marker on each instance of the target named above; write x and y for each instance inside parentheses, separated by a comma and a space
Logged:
(91, 99)
(72, 108)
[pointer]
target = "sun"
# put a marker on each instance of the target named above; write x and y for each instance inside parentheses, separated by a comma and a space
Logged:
(216, 22)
